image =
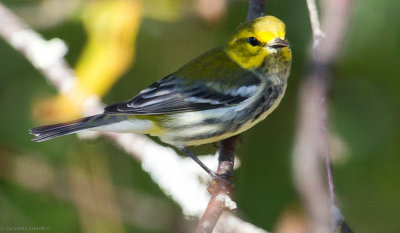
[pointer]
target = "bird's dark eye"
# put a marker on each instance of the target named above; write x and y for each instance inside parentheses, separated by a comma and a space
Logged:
(253, 41)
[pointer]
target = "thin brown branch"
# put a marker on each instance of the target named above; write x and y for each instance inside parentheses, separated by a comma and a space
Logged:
(221, 189)
(312, 147)
(330, 180)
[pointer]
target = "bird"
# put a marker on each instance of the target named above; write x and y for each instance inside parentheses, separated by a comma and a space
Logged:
(216, 95)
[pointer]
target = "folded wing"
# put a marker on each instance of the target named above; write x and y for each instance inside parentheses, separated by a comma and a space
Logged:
(225, 85)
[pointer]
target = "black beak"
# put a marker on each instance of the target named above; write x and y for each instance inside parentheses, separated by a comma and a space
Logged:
(278, 43)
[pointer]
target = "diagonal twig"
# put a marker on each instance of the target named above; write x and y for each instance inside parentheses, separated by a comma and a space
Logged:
(221, 189)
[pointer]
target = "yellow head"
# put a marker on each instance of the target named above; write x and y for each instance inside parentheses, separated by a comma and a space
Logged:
(258, 40)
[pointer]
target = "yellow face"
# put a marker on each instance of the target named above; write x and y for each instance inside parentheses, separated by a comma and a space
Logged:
(257, 40)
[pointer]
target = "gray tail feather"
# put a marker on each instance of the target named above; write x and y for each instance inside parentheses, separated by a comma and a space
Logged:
(47, 132)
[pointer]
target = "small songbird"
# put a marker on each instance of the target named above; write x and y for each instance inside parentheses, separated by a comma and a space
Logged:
(219, 94)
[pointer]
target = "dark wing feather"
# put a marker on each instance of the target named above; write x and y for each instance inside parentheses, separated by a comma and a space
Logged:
(173, 94)
(170, 95)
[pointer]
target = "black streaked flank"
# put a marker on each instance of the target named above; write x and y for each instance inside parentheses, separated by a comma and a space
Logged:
(234, 122)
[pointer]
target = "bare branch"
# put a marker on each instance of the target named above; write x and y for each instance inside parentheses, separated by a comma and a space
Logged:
(256, 9)
(221, 189)
(306, 156)
(318, 34)
(312, 145)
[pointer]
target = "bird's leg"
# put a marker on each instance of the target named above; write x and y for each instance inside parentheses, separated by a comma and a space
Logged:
(197, 160)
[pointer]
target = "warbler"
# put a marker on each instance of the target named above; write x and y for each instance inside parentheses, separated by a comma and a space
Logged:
(219, 94)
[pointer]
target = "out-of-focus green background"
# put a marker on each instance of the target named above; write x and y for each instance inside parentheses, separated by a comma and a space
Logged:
(91, 186)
